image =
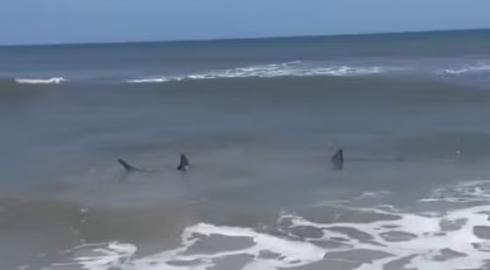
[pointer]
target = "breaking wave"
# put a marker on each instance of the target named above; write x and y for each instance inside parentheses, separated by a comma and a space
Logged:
(55, 80)
(396, 239)
(304, 69)
(467, 69)
(290, 69)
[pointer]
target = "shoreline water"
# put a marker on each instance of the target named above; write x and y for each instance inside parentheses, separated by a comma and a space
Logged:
(259, 124)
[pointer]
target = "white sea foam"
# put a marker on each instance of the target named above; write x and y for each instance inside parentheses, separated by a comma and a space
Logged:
(115, 254)
(467, 69)
(426, 241)
(373, 194)
(290, 69)
(465, 192)
(55, 80)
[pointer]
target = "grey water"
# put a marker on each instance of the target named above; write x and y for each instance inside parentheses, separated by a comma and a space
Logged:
(258, 120)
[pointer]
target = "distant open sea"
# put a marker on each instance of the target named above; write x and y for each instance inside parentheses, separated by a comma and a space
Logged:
(259, 120)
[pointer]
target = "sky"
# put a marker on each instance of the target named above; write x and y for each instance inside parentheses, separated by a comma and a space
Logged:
(88, 21)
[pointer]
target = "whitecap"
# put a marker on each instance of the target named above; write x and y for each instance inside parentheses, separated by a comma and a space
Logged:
(425, 241)
(468, 69)
(55, 80)
(289, 69)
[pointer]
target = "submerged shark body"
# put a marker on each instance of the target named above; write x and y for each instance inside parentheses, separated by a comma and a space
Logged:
(338, 160)
(128, 167)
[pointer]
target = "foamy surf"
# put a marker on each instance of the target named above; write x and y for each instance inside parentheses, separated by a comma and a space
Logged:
(466, 192)
(294, 69)
(445, 240)
(305, 69)
(467, 69)
(55, 80)
(290, 69)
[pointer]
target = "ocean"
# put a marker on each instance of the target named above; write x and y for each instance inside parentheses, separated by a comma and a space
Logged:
(259, 120)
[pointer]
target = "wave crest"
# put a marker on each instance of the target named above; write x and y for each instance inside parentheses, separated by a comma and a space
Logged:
(449, 239)
(294, 69)
(468, 69)
(290, 69)
(54, 80)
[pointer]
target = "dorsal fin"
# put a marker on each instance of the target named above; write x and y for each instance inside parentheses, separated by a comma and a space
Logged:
(338, 159)
(126, 166)
(184, 163)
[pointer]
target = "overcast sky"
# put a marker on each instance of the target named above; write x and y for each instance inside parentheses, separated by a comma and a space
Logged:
(81, 21)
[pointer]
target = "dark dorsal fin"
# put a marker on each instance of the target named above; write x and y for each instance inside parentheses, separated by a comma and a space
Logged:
(338, 159)
(184, 164)
(126, 166)
(338, 156)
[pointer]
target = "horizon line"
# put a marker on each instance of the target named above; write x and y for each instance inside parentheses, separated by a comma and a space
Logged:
(210, 40)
